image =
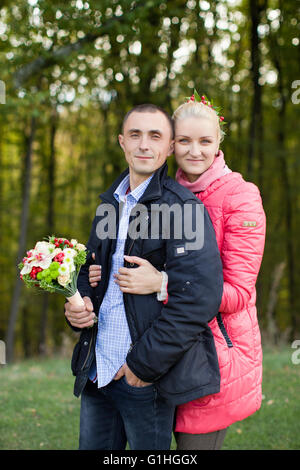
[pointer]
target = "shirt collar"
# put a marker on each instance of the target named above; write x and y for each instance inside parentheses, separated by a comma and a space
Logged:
(136, 194)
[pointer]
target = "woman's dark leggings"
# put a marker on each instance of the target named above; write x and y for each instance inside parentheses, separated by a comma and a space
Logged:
(208, 441)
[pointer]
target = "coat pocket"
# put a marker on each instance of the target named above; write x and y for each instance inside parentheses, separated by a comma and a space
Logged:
(81, 357)
(191, 372)
(75, 357)
(154, 251)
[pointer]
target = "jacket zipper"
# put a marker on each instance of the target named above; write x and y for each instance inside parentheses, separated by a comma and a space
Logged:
(224, 331)
(130, 320)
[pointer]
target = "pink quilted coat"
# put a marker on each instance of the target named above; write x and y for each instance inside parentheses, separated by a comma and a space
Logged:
(236, 211)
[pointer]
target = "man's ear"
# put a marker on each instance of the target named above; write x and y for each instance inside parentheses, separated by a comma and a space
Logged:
(121, 140)
(171, 148)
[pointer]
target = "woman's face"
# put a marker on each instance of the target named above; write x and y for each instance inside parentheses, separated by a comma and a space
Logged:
(196, 144)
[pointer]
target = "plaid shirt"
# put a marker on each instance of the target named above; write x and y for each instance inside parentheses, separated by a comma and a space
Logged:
(113, 337)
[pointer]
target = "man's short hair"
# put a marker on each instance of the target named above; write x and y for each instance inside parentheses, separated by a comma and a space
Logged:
(150, 108)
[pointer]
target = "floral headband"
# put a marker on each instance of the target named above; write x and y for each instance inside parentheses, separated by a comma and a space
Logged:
(203, 99)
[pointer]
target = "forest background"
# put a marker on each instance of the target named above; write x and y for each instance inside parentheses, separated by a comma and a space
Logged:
(69, 71)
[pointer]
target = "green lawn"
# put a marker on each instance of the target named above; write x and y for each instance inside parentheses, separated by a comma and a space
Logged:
(39, 410)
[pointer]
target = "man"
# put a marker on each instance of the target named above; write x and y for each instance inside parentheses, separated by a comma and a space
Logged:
(144, 357)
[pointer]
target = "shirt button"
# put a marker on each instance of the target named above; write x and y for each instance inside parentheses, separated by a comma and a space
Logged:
(85, 343)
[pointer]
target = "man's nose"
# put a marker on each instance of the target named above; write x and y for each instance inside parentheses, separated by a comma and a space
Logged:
(144, 142)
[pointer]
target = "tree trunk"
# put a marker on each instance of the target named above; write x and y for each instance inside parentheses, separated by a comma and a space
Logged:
(286, 183)
(10, 335)
(272, 330)
(50, 229)
(255, 130)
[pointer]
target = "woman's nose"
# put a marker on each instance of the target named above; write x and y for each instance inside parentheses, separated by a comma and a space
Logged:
(195, 150)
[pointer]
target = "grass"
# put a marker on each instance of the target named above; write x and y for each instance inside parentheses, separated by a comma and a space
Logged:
(39, 410)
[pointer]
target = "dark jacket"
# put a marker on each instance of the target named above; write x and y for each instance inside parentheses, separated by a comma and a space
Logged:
(172, 344)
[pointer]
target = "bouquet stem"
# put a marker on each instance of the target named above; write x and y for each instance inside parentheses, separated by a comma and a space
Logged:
(76, 300)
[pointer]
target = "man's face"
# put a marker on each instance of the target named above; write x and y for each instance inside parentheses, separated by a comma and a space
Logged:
(146, 142)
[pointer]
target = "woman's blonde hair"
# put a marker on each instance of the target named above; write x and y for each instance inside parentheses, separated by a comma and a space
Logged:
(199, 110)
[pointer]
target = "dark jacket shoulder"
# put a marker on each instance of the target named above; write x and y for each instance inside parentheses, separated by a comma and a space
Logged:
(180, 191)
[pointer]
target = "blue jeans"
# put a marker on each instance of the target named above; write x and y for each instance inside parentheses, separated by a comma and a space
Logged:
(118, 413)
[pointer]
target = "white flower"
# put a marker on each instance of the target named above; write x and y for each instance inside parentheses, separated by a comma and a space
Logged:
(42, 247)
(63, 269)
(40, 257)
(68, 261)
(74, 242)
(70, 252)
(51, 247)
(80, 247)
(55, 252)
(64, 279)
(26, 269)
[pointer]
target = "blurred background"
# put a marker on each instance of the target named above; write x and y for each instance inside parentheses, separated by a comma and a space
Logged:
(69, 71)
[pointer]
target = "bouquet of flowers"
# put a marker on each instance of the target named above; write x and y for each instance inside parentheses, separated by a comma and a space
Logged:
(53, 266)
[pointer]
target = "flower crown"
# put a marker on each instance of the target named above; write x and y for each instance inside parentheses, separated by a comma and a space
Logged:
(203, 99)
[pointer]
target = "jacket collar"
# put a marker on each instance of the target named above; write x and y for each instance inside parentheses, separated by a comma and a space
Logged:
(153, 191)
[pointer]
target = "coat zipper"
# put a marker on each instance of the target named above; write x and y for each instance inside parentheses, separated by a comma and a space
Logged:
(224, 331)
(130, 321)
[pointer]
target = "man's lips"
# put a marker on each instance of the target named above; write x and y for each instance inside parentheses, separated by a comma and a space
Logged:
(144, 157)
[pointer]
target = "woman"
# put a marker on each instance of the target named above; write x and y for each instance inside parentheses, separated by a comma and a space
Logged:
(236, 211)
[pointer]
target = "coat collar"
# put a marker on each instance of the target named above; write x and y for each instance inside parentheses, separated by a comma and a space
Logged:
(153, 191)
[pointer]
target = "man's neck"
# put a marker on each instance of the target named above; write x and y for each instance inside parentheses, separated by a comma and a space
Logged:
(136, 180)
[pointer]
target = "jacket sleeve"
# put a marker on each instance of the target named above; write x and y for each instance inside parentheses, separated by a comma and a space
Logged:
(195, 284)
(243, 245)
(83, 283)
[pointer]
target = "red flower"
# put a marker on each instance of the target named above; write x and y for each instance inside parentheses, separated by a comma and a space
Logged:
(59, 258)
(34, 272)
